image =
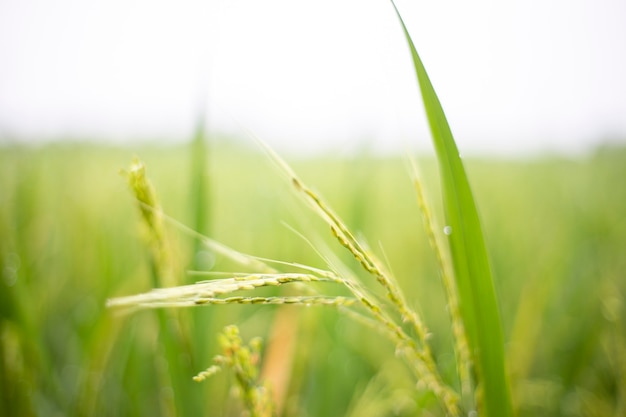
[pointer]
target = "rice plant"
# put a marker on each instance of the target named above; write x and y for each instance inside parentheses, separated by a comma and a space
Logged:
(460, 252)
(556, 234)
(244, 361)
(415, 350)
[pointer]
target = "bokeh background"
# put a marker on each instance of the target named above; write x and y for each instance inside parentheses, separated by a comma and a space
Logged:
(535, 95)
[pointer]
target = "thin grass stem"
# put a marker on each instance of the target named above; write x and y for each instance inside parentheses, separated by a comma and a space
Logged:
(461, 346)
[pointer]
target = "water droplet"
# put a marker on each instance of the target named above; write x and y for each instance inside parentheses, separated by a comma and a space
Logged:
(447, 230)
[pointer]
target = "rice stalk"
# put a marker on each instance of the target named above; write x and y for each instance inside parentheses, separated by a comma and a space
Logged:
(461, 348)
(418, 354)
(204, 290)
(149, 208)
(244, 361)
(345, 237)
(299, 300)
(422, 368)
(171, 331)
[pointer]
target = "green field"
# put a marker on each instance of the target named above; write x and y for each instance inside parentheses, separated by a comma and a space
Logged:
(71, 238)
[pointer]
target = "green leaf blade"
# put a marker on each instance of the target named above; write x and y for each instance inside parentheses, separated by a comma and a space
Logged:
(477, 297)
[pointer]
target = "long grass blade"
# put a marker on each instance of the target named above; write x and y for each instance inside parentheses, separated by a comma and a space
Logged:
(469, 255)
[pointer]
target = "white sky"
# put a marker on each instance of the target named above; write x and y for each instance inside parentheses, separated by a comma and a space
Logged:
(513, 76)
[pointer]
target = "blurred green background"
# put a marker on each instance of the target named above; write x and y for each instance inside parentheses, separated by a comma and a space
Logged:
(71, 237)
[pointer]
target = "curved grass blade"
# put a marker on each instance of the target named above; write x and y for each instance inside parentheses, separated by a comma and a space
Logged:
(469, 255)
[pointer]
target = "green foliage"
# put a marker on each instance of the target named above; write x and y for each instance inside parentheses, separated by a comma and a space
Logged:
(478, 302)
(415, 350)
(554, 228)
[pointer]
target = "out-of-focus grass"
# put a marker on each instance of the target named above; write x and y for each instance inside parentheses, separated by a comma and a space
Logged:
(70, 238)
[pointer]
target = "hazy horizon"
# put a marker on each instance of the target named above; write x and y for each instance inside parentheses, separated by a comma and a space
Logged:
(513, 78)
